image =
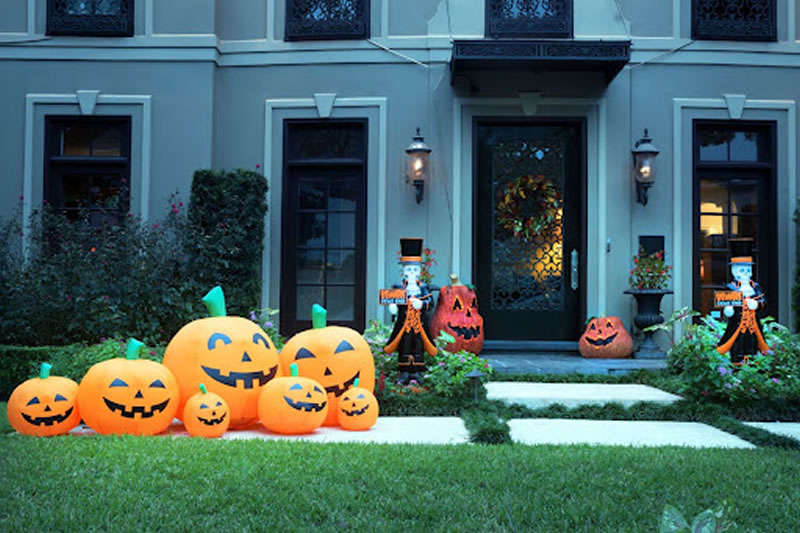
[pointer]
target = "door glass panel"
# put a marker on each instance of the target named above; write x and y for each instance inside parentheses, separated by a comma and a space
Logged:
(714, 267)
(340, 303)
(306, 298)
(310, 266)
(713, 231)
(713, 196)
(342, 195)
(341, 230)
(341, 266)
(311, 229)
(744, 226)
(312, 193)
(744, 196)
(727, 144)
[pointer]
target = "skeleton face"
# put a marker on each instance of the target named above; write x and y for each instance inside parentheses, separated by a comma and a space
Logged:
(742, 273)
(411, 272)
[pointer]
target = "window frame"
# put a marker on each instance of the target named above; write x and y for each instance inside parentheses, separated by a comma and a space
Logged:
(704, 34)
(322, 30)
(87, 25)
(527, 28)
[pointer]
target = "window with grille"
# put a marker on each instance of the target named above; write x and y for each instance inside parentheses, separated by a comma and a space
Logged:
(87, 167)
(327, 19)
(90, 17)
(529, 19)
(734, 20)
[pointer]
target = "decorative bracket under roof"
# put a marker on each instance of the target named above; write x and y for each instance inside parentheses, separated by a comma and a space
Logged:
(608, 57)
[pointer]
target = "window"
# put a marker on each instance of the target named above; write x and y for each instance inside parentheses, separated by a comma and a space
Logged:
(734, 20)
(87, 166)
(90, 17)
(327, 19)
(734, 197)
(529, 19)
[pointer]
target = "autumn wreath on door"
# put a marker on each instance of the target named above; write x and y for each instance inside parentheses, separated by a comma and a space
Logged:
(529, 206)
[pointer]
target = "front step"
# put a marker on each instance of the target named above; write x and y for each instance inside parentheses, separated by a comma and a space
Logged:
(540, 395)
(565, 363)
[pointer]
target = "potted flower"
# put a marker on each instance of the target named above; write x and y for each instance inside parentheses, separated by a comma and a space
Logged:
(648, 280)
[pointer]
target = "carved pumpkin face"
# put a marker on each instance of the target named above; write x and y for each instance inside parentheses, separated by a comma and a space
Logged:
(357, 409)
(292, 405)
(457, 314)
(233, 356)
(128, 396)
(605, 338)
(206, 414)
(44, 406)
(333, 356)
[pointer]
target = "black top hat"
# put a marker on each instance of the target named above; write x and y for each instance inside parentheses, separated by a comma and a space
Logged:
(741, 251)
(411, 250)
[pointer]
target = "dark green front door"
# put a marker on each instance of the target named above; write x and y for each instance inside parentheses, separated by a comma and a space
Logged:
(528, 268)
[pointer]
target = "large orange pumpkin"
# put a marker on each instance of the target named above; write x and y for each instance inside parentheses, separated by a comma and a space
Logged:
(357, 409)
(233, 356)
(605, 338)
(457, 314)
(206, 414)
(44, 406)
(292, 405)
(131, 395)
(334, 356)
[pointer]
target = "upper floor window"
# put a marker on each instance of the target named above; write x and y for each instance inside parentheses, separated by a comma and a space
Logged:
(327, 19)
(529, 18)
(90, 17)
(734, 20)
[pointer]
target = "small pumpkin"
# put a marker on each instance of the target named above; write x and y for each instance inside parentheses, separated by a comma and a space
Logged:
(457, 315)
(128, 395)
(334, 356)
(44, 406)
(233, 356)
(357, 409)
(206, 414)
(292, 405)
(605, 338)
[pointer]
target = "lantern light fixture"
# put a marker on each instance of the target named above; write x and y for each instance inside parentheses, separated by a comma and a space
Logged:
(644, 166)
(418, 172)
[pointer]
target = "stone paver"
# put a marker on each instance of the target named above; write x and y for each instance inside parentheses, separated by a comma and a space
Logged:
(566, 363)
(787, 429)
(621, 433)
(387, 430)
(539, 395)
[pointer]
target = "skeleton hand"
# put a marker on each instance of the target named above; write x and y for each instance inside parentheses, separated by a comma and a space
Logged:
(393, 309)
(728, 311)
(417, 303)
(751, 304)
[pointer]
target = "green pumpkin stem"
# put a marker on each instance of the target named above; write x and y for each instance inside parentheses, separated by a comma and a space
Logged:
(319, 316)
(215, 302)
(44, 371)
(132, 351)
(203, 389)
(355, 382)
(293, 370)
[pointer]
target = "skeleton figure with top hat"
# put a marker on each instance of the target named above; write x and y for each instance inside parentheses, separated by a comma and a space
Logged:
(743, 336)
(410, 336)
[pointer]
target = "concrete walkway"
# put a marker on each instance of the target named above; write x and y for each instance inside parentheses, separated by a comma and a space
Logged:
(539, 395)
(787, 429)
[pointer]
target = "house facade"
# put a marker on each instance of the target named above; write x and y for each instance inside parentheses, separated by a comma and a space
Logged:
(325, 96)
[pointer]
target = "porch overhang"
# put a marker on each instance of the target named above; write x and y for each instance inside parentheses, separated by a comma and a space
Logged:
(476, 57)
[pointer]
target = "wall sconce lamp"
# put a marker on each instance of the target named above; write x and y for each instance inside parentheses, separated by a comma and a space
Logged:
(418, 164)
(644, 166)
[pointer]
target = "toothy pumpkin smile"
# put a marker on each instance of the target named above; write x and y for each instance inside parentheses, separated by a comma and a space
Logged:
(602, 341)
(305, 406)
(141, 409)
(356, 412)
(47, 420)
(212, 421)
(466, 332)
(247, 378)
(338, 390)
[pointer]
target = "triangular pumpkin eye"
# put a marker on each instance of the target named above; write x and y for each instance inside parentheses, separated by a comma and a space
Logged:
(344, 346)
(475, 303)
(157, 384)
(317, 389)
(360, 396)
(34, 401)
(219, 403)
(296, 386)
(118, 383)
(203, 406)
(347, 398)
(60, 398)
(592, 326)
(457, 304)
(212, 340)
(304, 353)
(609, 325)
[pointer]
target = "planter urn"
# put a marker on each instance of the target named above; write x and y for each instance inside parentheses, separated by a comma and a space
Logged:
(648, 313)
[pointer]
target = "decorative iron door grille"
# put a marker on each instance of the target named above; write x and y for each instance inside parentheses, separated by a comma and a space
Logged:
(537, 19)
(734, 20)
(326, 19)
(113, 18)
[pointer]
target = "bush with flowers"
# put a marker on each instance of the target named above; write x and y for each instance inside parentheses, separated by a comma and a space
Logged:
(708, 374)
(268, 320)
(649, 271)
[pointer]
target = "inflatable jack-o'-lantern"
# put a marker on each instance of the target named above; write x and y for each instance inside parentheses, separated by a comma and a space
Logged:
(206, 414)
(334, 356)
(457, 315)
(605, 338)
(233, 356)
(358, 409)
(292, 405)
(44, 406)
(128, 396)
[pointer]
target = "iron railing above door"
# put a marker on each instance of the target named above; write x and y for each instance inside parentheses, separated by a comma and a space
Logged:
(529, 19)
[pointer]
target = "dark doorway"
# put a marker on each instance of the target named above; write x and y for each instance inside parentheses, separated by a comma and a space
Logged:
(324, 222)
(530, 282)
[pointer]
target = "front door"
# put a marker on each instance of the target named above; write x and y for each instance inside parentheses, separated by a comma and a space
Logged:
(529, 220)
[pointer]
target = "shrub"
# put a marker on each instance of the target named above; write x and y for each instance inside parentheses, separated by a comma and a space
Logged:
(268, 320)
(796, 288)
(706, 373)
(227, 219)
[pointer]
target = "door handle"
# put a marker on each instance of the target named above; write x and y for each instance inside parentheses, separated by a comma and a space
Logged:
(573, 275)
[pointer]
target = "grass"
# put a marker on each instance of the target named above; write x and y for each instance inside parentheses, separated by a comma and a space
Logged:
(151, 483)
